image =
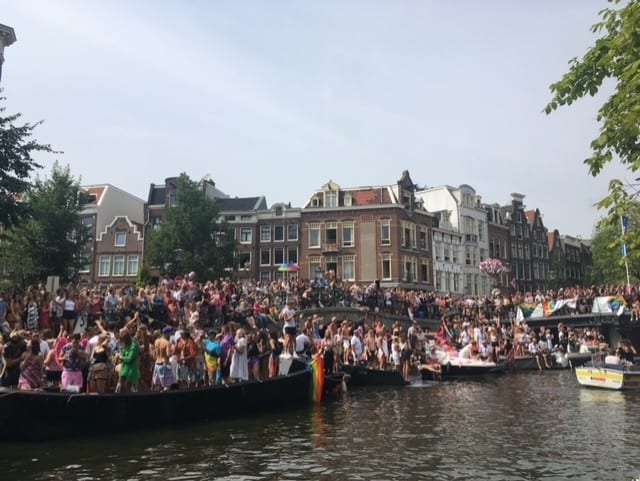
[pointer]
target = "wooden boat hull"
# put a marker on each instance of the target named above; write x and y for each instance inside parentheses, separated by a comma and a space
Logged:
(608, 377)
(361, 376)
(36, 415)
(456, 371)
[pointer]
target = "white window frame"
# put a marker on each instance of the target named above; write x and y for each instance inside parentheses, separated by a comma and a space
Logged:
(290, 228)
(133, 265)
(278, 233)
(386, 258)
(265, 233)
(331, 199)
(349, 268)
(119, 265)
(246, 234)
(266, 251)
(348, 240)
(120, 238)
(315, 241)
(385, 232)
(104, 261)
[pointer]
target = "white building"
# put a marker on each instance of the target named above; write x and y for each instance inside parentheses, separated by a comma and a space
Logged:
(468, 218)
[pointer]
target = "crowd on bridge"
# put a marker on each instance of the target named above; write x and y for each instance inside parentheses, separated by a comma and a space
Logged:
(184, 333)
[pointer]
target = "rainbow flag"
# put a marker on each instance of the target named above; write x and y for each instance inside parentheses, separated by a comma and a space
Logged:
(549, 307)
(317, 383)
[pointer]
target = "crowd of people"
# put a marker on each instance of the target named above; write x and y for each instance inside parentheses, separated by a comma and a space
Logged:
(181, 333)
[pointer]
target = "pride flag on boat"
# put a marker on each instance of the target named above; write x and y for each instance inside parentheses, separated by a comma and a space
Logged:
(317, 383)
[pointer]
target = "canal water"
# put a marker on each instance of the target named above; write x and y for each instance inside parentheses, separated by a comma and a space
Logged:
(525, 426)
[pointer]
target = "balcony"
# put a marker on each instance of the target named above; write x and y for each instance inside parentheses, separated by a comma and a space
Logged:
(333, 248)
(473, 238)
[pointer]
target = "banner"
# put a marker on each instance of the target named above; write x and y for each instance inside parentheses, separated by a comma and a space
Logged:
(609, 305)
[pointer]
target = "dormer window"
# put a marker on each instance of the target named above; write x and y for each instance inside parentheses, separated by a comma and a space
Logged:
(348, 200)
(315, 202)
(279, 211)
(331, 199)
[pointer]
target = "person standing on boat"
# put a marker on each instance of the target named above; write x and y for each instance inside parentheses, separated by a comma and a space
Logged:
(31, 366)
(130, 359)
(186, 351)
(288, 317)
(239, 370)
(73, 358)
(162, 373)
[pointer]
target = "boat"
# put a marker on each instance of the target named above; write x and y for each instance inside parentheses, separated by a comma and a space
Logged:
(599, 373)
(362, 375)
(452, 367)
(41, 415)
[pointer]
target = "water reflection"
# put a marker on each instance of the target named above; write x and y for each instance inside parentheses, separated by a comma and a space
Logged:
(531, 426)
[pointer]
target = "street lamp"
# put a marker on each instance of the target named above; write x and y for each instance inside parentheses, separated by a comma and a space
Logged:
(219, 239)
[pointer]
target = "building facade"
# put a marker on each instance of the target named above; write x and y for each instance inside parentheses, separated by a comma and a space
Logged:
(469, 218)
(539, 250)
(105, 209)
(499, 243)
(364, 234)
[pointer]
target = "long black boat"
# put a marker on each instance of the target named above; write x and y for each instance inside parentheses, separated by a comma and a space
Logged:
(40, 415)
(452, 370)
(361, 376)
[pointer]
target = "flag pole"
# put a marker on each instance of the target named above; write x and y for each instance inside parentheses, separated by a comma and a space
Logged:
(624, 222)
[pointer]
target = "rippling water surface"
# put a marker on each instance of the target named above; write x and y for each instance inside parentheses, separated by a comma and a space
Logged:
(529, 426)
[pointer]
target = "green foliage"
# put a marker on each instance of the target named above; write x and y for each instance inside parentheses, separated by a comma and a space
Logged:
(144, 277)
(16, 165)
(606, 248)
(186, 240)
(52, 240)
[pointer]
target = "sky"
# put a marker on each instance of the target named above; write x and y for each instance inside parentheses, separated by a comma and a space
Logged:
(277, 98)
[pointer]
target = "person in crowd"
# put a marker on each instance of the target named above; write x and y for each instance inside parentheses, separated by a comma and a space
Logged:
(31, 366)
(274, 357)
(101, 371)
(73, 358)
(239, 370)
(212, 355)
(162, 378)
(129, 374)
(186, 352)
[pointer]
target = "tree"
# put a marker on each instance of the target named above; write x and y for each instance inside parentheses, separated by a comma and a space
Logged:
(16, 166)
(189, 239)
(52, 240)
(606, 248)
(614, 56)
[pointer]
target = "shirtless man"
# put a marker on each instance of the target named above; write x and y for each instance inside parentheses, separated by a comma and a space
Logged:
(162, 373)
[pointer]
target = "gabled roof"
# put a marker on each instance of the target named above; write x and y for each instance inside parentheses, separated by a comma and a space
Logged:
(98, 192)
(531, 217)
(552, 238)
(241, 204)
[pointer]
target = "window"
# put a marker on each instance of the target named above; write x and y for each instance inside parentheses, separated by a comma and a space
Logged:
(265, 233)
(331, 199)
(468, 256)
(447, 252)
(87, 222)
(87, 261)
(265, 277)
(331, 233)
(104, 268)
(278, 233)
(347, 234)
(278, 255)
(424, 271)
(292, 232)
(314, 236)
(386, 266)
(118, 266)
(349, 268)
(173, 199)
(315, 266)
(265, 257)
(156, 222)
(292, 254)
(348, 200)
(245, 235)
(279, 211)
(121, 239)
(133, 262)
(480, 230)
(438, 250)
(245, 218)
(408, 235)
(385, 232)
(455, 254)
(244, 261)
(423, 239)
